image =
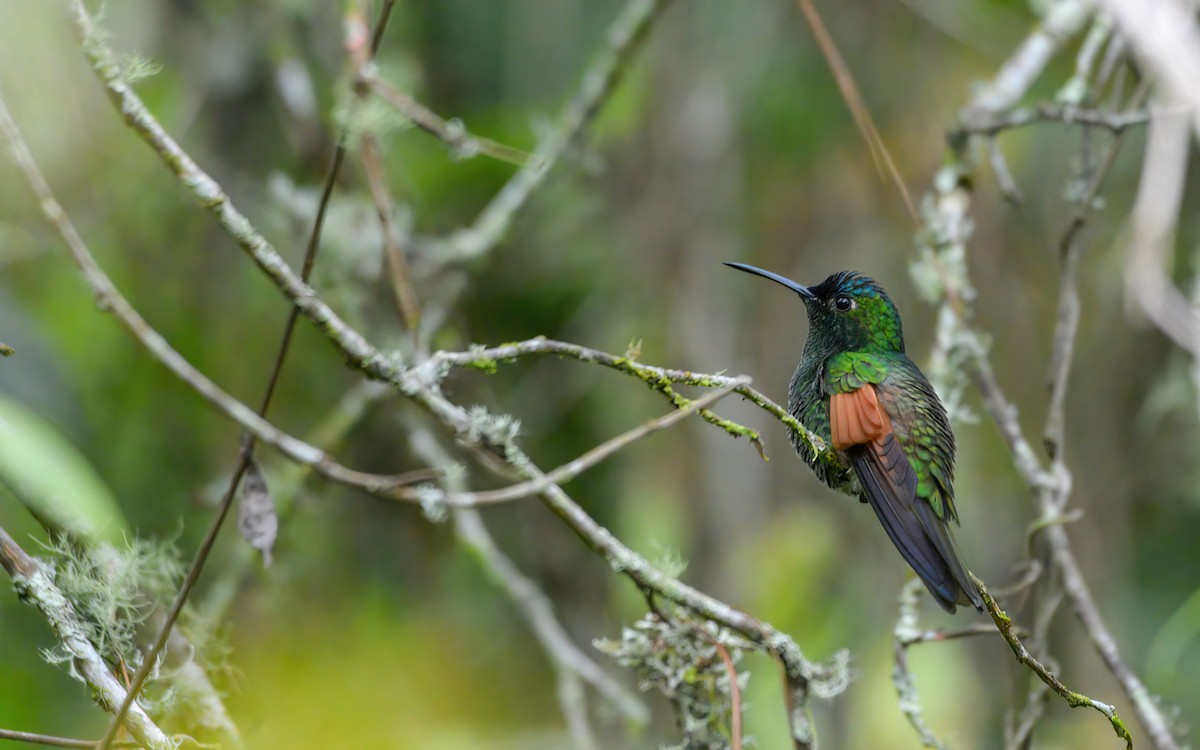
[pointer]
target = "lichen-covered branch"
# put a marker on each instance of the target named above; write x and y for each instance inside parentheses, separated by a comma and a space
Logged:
(975, 122)
(109, 298)
(659, 378)
(34, 583)
(805, 678)
(420, 383)
(942, 274)
(209, 194)
(575, 467)
(693, 663)
(904, 634)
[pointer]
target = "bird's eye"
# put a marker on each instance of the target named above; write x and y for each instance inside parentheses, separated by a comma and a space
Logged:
(843, 303)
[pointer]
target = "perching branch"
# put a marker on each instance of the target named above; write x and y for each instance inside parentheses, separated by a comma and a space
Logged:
(1075, 700)
(659, 378)
(804, 678)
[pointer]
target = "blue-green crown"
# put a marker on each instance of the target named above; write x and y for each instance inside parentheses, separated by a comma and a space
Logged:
(873, 323)
(850, 283)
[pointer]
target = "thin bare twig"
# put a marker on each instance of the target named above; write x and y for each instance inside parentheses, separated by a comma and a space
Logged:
(139, 118)
(209, 194)
(33, 738)
(1067, 320)
(398, 271)
(735, 691)
(854, 101)
(462, 143)
(658, 378)
(905, 634)
(1078, 87)
(1004, 178)
(285, 485)
(574, 468)
(940, 636)
(976, 122)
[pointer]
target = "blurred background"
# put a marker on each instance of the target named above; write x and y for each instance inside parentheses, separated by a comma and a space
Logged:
(727, 140)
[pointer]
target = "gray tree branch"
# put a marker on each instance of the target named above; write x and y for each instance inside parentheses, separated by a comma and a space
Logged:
(421, 382)
(34, 583)
(943, 267)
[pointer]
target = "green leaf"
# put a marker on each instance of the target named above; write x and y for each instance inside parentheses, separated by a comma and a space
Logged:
(53, 480)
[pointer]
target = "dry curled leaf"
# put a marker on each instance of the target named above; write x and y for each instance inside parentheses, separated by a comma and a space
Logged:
(257, 520)
(760, 447)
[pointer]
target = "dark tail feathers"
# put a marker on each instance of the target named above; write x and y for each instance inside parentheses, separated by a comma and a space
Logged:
(923, 539)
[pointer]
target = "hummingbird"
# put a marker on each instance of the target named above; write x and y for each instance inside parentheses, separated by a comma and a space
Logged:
(857, 390)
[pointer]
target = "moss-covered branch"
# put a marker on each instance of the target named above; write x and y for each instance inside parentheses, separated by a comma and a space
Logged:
(1074, 699)
(661, 379)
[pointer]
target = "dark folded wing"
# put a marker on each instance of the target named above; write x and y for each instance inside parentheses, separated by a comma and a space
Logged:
(890, 486)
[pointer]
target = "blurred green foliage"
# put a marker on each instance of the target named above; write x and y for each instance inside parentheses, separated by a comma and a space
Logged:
(727, 141)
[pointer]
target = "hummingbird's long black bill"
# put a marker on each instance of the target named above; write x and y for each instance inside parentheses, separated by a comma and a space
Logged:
(800, 289)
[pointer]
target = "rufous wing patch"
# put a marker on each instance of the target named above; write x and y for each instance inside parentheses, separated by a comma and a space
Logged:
(856, 418)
